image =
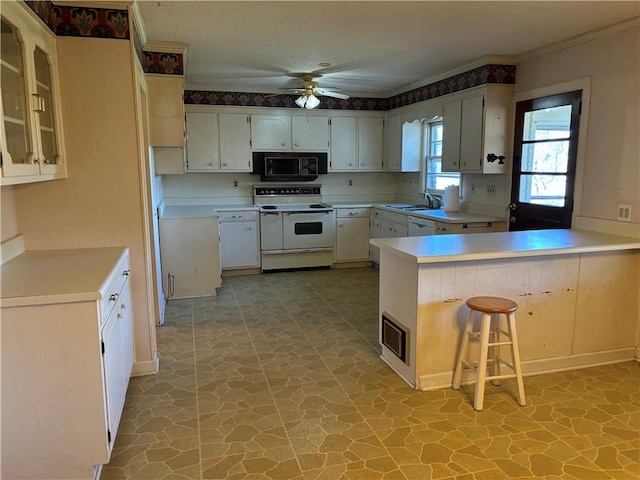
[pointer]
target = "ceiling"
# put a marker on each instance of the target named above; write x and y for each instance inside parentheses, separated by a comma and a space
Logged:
(373, 48)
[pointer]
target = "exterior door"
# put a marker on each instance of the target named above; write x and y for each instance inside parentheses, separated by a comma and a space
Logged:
(544, 161)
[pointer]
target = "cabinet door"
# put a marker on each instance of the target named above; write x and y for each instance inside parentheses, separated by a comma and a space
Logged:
(31, 139)
(344, 144)
(471, 134)
(203, 149)
(114, 372)
(126, 322)
(271, 132)
(451, 121)
(411, 146)
(394, 143)
(190, 253)
(310, 133)
(239, 244)
(352, 239)
(166, 110)
(235, 142)
(370, 143)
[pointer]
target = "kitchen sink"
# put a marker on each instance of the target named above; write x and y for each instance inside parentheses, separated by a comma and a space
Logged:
(414, 208)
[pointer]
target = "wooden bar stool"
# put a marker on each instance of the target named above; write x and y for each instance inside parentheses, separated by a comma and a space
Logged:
(489, 337)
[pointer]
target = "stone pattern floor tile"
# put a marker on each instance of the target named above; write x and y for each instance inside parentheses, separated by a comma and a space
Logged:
(279, 378)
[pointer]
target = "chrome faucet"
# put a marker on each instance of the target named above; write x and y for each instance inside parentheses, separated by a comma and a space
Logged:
(429, 199)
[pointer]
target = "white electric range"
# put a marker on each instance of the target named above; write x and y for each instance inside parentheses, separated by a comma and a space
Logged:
(296, 228)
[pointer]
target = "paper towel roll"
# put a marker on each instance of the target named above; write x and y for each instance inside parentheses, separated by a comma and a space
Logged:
(451, 199)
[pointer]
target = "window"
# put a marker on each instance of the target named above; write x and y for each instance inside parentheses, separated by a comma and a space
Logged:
(435, 178)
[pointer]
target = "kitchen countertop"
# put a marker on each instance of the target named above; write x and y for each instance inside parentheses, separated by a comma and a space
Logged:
(483, 246)
(440, 215)
(189, 211)
(39, 277)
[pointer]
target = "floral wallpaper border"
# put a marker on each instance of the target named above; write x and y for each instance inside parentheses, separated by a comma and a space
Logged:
(90, 22)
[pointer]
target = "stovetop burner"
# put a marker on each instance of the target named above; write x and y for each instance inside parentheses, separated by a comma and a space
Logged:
(268, 207)
(317, 205)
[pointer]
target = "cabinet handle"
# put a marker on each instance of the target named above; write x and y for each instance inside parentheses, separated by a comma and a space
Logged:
(113, 297)
(236, 216)
(361, 164)
(295, 144)
(36, 161)
(211, 164)
(125, 273)
(170, 284)
(353, 213)
(351, 164)
(282, 144)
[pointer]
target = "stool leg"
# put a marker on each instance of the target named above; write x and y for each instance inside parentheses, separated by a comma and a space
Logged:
(482, 362)
(495, 350)
(515, 357)
(457, 376)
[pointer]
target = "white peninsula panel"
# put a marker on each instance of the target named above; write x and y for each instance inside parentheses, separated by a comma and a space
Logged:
(577, 294)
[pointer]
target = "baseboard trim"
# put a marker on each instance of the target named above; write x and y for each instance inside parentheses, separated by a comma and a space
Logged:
(537, 367)
(150, 367)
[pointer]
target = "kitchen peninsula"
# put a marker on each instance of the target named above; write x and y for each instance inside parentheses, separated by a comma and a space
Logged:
(577, 293)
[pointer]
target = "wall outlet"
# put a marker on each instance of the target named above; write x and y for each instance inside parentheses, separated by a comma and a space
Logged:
(235, 184)
(491, 190)
(350, 183)
(624, 213)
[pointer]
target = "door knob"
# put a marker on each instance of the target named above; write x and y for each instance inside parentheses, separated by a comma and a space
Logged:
(513, 206)
(512, 219)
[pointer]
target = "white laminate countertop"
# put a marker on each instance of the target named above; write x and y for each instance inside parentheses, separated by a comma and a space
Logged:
(440, 215)
(202, 211)
(482, 246)
(39, 277)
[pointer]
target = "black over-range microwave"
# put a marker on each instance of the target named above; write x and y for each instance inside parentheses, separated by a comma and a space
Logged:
(289, 166)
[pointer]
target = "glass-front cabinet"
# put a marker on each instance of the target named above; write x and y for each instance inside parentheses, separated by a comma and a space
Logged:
(31, 139)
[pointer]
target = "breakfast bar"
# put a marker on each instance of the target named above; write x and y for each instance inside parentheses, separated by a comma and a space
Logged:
(577, 293)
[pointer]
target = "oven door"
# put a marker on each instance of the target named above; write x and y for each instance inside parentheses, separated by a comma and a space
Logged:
(270, 231)
(302, 230)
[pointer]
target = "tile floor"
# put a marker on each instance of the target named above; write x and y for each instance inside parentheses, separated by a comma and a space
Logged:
(278, 377)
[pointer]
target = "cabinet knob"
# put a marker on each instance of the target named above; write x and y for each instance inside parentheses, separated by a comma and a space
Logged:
(224, 164)
(361, 164)
(295, 144)
(351, 164)
(211, 164)
(282, 144)
(113, 297)
(125, 273)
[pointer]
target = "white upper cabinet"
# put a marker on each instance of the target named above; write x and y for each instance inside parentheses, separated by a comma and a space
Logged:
(344, 145)
(203, 146)
(451, 121)
(310, 133)
(370, 143)
(235, 142)
(476, 131)
(31, 137)
(357, 144)
(166, 110)
(271, 132)
(394, 143)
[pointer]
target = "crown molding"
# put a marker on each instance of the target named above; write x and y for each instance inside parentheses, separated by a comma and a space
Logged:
(582, 38)
(105, 4)
(138, 23)
(465, 67)
(165, 47)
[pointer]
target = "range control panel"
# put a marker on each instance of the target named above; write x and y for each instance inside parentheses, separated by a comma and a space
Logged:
(262, 190)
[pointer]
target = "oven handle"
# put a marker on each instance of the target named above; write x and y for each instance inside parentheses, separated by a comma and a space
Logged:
(269, 213)
(307, 212)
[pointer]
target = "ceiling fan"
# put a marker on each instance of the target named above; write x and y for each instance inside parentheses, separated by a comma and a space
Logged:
(309, 92)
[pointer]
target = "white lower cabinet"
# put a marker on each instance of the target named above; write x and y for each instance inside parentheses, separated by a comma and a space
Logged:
(239, 239)
(385, 224)
(190, 254)
(67, 355)
(352, 234)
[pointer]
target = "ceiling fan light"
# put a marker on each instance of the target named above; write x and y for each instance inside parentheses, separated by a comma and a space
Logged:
(312, 102)
(301, 100)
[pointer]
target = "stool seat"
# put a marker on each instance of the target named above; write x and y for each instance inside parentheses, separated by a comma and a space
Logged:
(489, 339)
(492, 305)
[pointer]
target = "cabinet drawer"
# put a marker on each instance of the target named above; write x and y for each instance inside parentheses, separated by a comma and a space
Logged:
(237, 216)
(110, 297)
(352, 212)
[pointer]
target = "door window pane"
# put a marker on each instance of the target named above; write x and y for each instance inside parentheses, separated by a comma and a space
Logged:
(549, 157)
(548, 123)
(547, 190)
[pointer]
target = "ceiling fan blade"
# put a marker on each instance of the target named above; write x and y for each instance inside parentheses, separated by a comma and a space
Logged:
(329, 93)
